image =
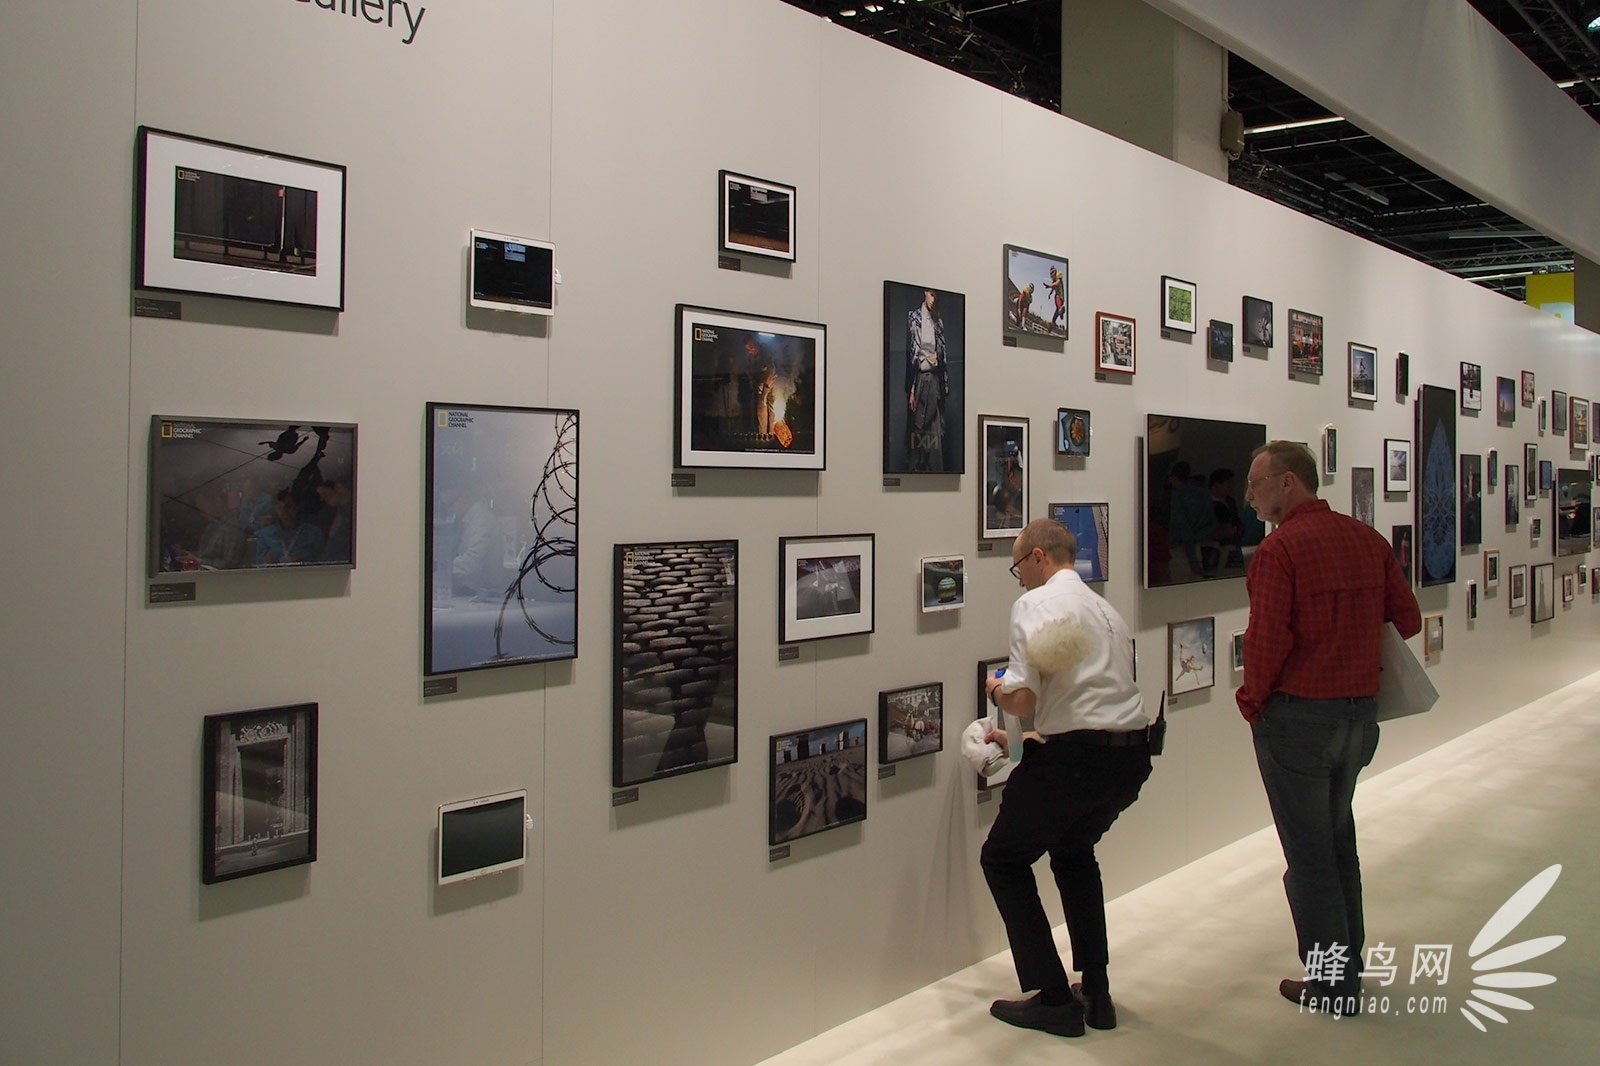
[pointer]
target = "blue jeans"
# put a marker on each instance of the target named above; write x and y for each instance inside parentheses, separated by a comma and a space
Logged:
(1310, 752)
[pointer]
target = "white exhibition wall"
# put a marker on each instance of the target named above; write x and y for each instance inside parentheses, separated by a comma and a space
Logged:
(655, 931)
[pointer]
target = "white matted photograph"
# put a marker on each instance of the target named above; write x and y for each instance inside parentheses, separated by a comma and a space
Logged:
(1004, 509)
(756, 216)
(825, 587)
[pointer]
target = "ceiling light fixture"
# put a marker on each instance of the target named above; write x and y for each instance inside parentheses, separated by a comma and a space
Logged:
(1304, 124)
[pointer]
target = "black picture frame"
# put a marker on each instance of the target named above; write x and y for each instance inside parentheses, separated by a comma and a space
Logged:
(1028, 277)
(755, 217)
(1513, 496)
(501, 540)
(1472, 490)
(1471, 387)
(1178, 301)
(1219, 341)
(1255, 322)
(259, 791)
(233, 495)
(918, 439)
(1571, 504)
(1505, 401)
(1305, 343)
(220, 219)
(827, 587)
(1542, 580)
(910, 722)
(675, 659)
(751, 391)
(818, 780)
(1436, 497)
(1074, 432)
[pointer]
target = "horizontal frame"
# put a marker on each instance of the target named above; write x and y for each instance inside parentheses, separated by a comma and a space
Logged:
(826, 587)
(779, 245)
(259, 788)
(177, 249)
(737, 408)
(942, 583)
(910, 722)
(489, 466)
(836, 752)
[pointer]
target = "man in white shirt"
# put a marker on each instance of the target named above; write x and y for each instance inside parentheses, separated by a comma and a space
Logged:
(1085, 756)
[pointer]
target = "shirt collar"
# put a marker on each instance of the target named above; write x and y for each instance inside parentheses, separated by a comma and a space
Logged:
(1313, 504)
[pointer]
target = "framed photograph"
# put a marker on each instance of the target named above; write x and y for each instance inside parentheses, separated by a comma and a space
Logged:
(1558, 413)
(1396, 465)
(910, 722)
(220, 219)
(1568, 587)
(1513, 497)
(1178, 305)
(1035, 293)
(259, 791)
(1547, 475)
(1256, 316)
(1471, 507)
(502, 537)
(825, 587)
(1578, 424)
(1191, 655)
(1571, 501)
(1491, 568)
(1004, 509)
(1594, 527)
(1072, 431)
(1535, 529)
(1116, 351)
(1403, 541)
(1472, 600)
(1471, 387)
(1237, 644)
(756, 216)
(1402, 376)
(1195, 522)
(1432, 636)
(752, 392)
(233, 494)
(1305, 343)
(986, 670)
(1362, 484)
(1505, 404)
(675, 659)
(1518, 576)
(1436, 500)
(1594, 583)
(1544, 415)
(1219, 341)
(1543, 580)
(1363, 372)
(1090, 524)
(1330, 450)
(924, 380)
(819, 780)
(1530, 472)
(944, 583)
(1528, 391)
(1492, 471)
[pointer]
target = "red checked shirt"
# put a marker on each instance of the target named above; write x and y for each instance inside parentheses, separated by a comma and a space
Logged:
(1321, 587)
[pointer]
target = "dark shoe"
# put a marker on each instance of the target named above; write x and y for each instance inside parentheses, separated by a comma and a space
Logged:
(1098, 1010)
(1317, 999)
(1033, 1013)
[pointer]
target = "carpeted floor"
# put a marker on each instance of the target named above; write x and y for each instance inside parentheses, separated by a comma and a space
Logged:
(1446, 839)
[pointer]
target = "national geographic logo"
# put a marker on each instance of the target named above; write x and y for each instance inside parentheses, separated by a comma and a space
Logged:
(444, 418)
(704, 335)
(179, 431)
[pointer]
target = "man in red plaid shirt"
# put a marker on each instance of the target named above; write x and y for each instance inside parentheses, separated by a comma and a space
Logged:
(1321, 587)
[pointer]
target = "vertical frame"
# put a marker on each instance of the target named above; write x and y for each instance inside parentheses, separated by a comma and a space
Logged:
(998, 719)
(1363, 372)
(1505, 402)
(1191, 655)
(1396, 465)
(259, 806)
(1178, 301)
(1518, 577)
(1033, 286)
(1471, 387)
(1436, 498)
(1219, 341)
(1491, 568)
(1073, 432)
(1543, 590)
(1256, 322)
(1116, 343)
(1003, 510)
(1471, 500)
(1305, 343)
(924, 380)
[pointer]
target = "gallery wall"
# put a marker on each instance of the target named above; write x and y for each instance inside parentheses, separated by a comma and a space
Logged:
(656, 930)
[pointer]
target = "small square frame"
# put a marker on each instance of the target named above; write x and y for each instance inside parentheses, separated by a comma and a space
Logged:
(1073, 431)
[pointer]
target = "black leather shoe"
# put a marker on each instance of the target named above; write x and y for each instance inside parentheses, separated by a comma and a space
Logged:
(1098, 1010)
(1317, 999)
(1032, 1013)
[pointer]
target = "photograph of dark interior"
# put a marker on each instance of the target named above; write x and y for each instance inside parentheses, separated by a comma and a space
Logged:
(260, 781)
(676, 681)
(827, 586)
(819, 780)
(244, 495)
(242, 222)
(1197, 524)
(759, 217)
(1571, 496)
(751, 391)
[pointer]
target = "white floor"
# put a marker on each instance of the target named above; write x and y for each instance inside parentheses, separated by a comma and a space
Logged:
(1446, 839)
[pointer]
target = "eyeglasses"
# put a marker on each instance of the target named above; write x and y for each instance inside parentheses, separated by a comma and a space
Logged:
(1017, 566)
(1250, 486)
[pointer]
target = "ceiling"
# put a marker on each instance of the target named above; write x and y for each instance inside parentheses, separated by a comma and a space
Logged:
(1332, 170)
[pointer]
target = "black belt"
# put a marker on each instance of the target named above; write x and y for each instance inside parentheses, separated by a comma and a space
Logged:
(1103, 738)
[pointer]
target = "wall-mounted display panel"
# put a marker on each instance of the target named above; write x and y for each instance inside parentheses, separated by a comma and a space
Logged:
(509, 273)
(1196, 523)
(482, 836)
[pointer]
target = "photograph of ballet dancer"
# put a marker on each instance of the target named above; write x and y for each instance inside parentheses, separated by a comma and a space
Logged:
(1191, 655)
(675, 682)
(751, 391)
(231, 495)
(502, 537)
(819, 780)
(1035, 294)
(910, 722)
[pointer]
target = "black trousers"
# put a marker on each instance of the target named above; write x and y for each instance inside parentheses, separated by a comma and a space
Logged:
(1059, 800)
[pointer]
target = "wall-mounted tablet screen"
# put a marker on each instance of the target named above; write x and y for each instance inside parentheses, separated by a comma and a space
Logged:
(482, 836)
(512, 273)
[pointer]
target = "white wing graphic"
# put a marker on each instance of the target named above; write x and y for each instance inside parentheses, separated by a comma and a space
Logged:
(1496, 929)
